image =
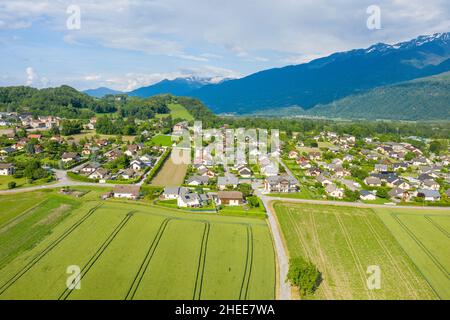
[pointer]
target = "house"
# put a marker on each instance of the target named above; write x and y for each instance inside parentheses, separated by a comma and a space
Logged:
(69, 156)
(204, 171)
(367, 195)
(429, 195)
(430, 184)
(171, 193)
(420, 161)
(7, 150)
(35, 136)
(198, 180)
(280, 184)
(230, 198)
(447, 193)
(323, 180)
(401, 184)
(270, 170)
(137, 165)
(333, 191)
(132, 149)
(400, 166)
(180, 127)
(113, 154)
(314, 155)
(191, 200)
(293, 154)
(373, 181)
(350, 184)
(379, 167)
(147, 159)
(313, 172)
(228, 180)
(6, 169)
(305, 164)
(90, 168)
(128, 173)
(245, 172)
(401, 194)
(99, 174)
(126, 192)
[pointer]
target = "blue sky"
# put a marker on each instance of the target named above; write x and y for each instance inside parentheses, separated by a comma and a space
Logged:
(125, 44)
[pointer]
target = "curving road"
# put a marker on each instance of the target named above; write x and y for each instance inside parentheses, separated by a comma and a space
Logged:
(284, 287)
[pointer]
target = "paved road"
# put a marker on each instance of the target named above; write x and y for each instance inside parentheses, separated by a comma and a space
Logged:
(284, 289)
(357, 204)
(62, 180)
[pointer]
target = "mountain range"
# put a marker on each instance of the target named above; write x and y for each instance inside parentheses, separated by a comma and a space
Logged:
(337, 85)
(177, 87)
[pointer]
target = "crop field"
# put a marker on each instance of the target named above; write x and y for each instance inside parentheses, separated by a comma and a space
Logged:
(343, 242)
(170, 175)
(127, 250)
(425, 236)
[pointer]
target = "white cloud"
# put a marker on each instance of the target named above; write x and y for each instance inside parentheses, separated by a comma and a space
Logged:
(168, 27)
(31, 76)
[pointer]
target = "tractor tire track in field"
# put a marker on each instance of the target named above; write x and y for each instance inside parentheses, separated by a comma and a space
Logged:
(322, 261)
(391, 258)
(98, 253)
(42, 254)
(147, 259)
(354, 255)
(300, 235)
(248, 265)
(201, 263)
(439, 227)
(13, 221)
(421, 245)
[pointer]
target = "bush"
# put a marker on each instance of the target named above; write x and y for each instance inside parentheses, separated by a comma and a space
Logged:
(304, 275)
(12, 185)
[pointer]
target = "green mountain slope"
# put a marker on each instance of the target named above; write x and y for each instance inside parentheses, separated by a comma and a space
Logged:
(421, 99)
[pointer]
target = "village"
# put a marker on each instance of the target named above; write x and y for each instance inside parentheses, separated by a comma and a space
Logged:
(320, 166)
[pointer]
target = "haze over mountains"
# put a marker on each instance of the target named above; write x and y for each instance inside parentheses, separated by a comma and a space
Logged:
(334, 84)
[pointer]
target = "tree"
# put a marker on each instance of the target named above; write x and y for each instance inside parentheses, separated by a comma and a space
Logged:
(69, 127)
(304, 275)
(12, 185)
(382, 193)
(351, 195)
(436, 147)
(246, 189)
(253, 202)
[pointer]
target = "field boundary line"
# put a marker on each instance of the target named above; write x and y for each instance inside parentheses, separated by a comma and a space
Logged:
(421, 245)
(146, 262)
(66, 293)
(201, 262)
(438, 226)
(248, 265)
(23, 214)
(388, 253)
(50, 247)
(354, 255)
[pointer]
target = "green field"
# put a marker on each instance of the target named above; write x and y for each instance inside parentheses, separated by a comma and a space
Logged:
(344, 241)
(129, 250)
(425, 236)
(162, 140)
(177, 111)
(20, 182)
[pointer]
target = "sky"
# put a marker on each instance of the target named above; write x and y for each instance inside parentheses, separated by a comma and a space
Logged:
(127, 44)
